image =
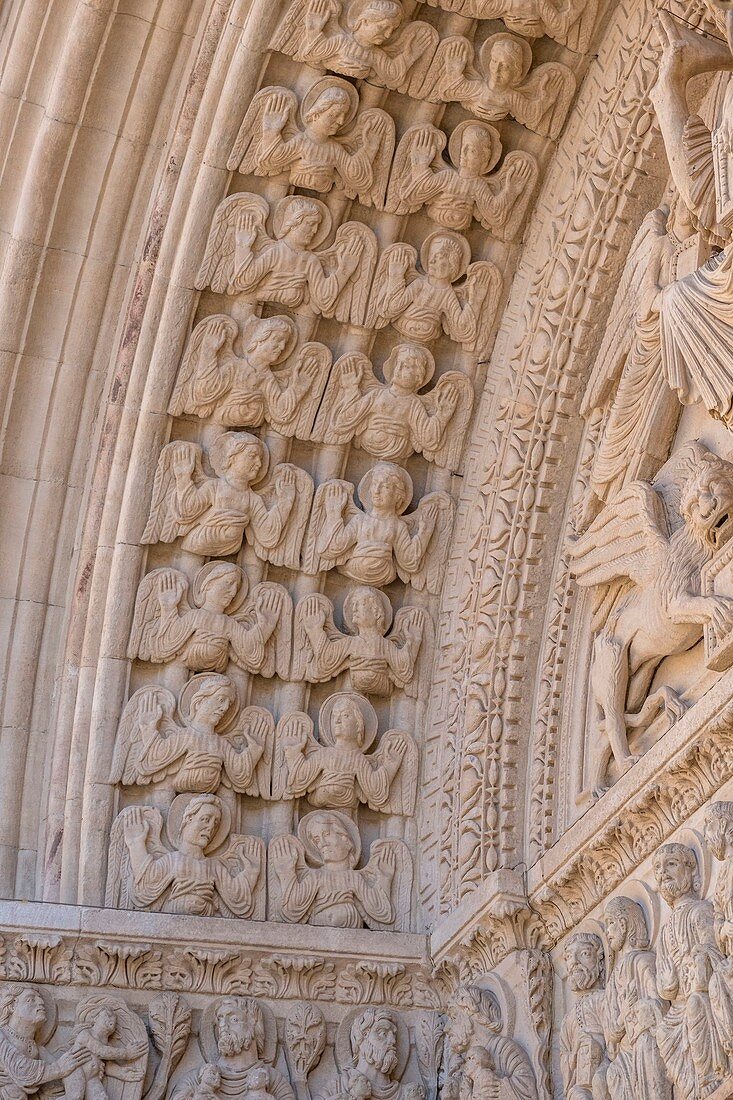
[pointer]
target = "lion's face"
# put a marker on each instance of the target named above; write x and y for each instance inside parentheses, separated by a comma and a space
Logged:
(707, 502)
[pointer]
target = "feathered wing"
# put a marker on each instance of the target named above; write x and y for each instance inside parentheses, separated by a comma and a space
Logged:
(248, 153)
(418, 41)
(317, 358)
(288, 37)
(401, 892)
(409, 623)
(484, 286)
(119, 891)
(217, 266)
(448, 454)
(535, 89)
(288, 725)
(312, 560)
(327, 428)
(258, 723)
(403, 788)
(351, 303)
(406, 194)
(201, 384)
(576, 30)
(429, 575)
(380, 123)
(129, 743)
(164, 522)
(147, 642)
(508, 228)
(287, 551)
(274, 890)
(251, 849)
(619, 329)
(278, 647)
(380, 311)
(437, 83)
(305, 663)
(628, 540)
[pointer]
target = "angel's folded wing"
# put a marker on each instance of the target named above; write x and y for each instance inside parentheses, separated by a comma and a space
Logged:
(418, 42)
(201, 382)
(129, 743)
(413, 633)
(448, 453)
(409, 190)
(627, 540)
(401, 892)
(316, 358)
(217, 266)
(335, 422)
(381, 309)
(164, 522)
(119, 893)
(249, 153)
(376, 122)
(484, 282)
(287, 551)
(403, 788)
(429, 574)
(276, 600)
(307, 665)
(351, 303)
(148, 640)
(289, 36)
(313, 560)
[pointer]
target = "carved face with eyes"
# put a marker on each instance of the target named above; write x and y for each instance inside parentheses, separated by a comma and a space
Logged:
(29, 1011)
(347, 724)
(328, 113)
(268, 342)
(200, 822)
(331, 841)
(675, 868)
(504, 66)
(408, 369)
(367, 612)
(583, 958)
(301, 225)
(377, 23)
(444, 260)
(245, 465)
(208, 706)
(475, 152)
(220, 589)
(388, 492)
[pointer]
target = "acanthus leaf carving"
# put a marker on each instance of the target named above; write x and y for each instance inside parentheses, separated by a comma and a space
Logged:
(295, 976)
(375, 983)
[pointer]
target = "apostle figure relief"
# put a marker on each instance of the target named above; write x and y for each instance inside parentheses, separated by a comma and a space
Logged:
(249, 390)
(480, 1060)
(287, 265)
(213, 514)
(656, 543)
(197, 872)
(336, 771)
(213, 743)
(372, 1049)
(421, 304)
(213, 621)
(361, 39)
(377, 660)
(582, 1041)
(376, 543)
(391, 420)
(335, 144)
(469, 186)
(499, 82)
(315, 877)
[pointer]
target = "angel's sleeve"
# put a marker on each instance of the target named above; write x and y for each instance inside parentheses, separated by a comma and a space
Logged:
(322, 651)
(410, 549)
(159, 753)
(152, 875)
(422, 553)
(262, 149)
(203, 379)
(545, 97)
(273, 611)
(248, 645)
(373, 896)
(403, 644)
(236, 884)
(368, 166)
(375, 774)
(346, 407)
(160, 630)
(267, 524)
(298, 888)
(449, 448)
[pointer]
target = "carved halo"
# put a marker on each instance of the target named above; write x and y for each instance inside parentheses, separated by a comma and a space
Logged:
(280, 213)
(194, 685)
(251, 325)
(648, 901)
(364, 487)
(12, 990)
(456, 141)
(494, 39)
(368, 714)
(356, 9)
(463, 246)
(207, 1034)
(203, 574)
(427, 356)
(218, 448)
(342, 1045)
(383, 598)
(316, 90)
(179, 806)
(348, 826)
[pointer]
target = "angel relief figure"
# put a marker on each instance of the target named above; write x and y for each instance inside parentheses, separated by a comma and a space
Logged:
(643, 555)
(466, 188)
(421, 304)
(376, 659)
(247, 390)
(362, 40)
(195, 874)
(213, 624)
(289, 266)
(501, 83)
(212, 514)
(200, 744)
(570, 22)
(392, 421)
(336, 772)
(335, 145)
(378, 544)
(315, 878)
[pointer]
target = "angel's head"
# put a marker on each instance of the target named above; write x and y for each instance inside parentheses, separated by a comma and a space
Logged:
(505, 61)
(329, 111)
(328, 837)
(300, 222)
(200, 821)
(373, 22)
(219, 586)
(706, 501)
(212, 698)
(409, 367)
(445, 257)
(367, 609)
(386, 489)
(239, 457)
(270, 340)
(347, 724)
(477, 153)
(719, 828)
